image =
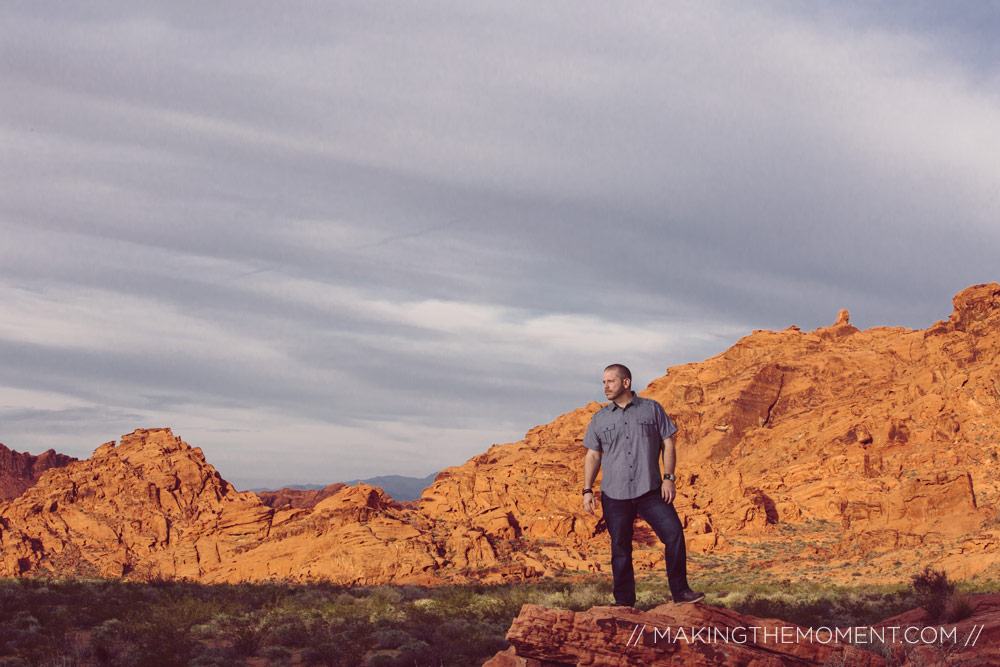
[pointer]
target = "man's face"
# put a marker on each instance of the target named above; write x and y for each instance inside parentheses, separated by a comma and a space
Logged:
(615, 386)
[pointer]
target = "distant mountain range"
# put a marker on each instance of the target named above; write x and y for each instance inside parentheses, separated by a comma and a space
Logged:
(399, 487)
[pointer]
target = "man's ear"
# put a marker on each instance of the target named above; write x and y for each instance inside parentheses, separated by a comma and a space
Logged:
(627, 382)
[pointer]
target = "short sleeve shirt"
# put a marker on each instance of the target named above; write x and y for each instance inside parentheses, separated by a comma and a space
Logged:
(630, 440)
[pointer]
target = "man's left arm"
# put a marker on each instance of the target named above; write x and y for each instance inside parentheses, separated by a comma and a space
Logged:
(668, 490)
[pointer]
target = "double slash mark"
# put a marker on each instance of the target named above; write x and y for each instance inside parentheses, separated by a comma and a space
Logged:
(975, 632)
(635, 637)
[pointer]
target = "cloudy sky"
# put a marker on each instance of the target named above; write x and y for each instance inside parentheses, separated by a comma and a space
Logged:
(328, 240)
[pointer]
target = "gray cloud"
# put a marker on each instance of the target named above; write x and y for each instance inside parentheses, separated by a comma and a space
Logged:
(326, 242)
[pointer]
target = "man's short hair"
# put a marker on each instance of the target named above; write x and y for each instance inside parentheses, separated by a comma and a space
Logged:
(621, 369)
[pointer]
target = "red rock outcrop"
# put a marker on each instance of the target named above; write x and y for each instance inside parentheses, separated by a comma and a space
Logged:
(836, 455)
(690, 635)
(972, 641)
(298, 498)
(19, 470)
(694, 635)
(831, 455)
(153, 507)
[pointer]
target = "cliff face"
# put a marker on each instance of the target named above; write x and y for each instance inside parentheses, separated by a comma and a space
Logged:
(153, 507)
(19, 471)
(828, 455)
(831, 454)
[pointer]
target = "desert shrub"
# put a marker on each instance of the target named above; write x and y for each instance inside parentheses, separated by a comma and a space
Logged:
(388, 637)
(833, 607)
(244, 633)
(555, 600)
(468, 642)
(276, 655)
(384, 603)
(453, 601)
(584, 597)
(959, 607)
(933, 589)
(338, 642)
(415, 652)
(381, 660)
(215, 656)
(341, 606)
(286, 627)
(111, 643)
(649, 599)
(23, 633)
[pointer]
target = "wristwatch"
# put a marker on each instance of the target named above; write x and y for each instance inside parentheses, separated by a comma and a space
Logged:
(586, 491)
(672, 477)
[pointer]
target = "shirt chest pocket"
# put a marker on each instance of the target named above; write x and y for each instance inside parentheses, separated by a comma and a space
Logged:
(648, 428)
(609, 434)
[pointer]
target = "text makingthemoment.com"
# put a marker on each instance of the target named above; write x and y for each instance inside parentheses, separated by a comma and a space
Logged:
(647, 635)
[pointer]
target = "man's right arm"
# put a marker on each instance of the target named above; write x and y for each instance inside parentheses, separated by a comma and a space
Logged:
(591, 464)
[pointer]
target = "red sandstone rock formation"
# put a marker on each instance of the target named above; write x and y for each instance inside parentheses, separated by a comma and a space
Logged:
(19, 471)
(152, 507)
(690, 635)
(298, 498)
(831, 455)
(702, 635)
(837, 455)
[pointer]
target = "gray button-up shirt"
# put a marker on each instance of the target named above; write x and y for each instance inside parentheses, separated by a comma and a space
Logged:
(630, 440)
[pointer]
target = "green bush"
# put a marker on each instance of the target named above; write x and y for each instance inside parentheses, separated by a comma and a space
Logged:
(415, 652)
(933, 590)
(286, 627)
(109, 641)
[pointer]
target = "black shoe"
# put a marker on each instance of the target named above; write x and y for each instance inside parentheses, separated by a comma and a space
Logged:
(688, 597)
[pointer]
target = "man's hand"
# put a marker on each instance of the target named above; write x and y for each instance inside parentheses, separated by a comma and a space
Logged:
(591, 464)
(668, 491)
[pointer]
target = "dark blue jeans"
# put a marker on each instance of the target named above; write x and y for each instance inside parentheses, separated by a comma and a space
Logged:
(619, 516)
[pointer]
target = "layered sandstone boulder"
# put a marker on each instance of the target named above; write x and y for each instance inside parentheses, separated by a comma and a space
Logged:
(703, 635)
(694, 635)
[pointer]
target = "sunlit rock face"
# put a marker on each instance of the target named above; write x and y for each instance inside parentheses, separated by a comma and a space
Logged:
(151, 506)
(831, 454)
(837, 454)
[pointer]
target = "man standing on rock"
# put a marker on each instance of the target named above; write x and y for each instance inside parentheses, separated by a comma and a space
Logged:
(626, 436)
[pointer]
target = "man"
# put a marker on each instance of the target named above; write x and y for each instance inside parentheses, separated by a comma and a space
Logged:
(626, 436)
